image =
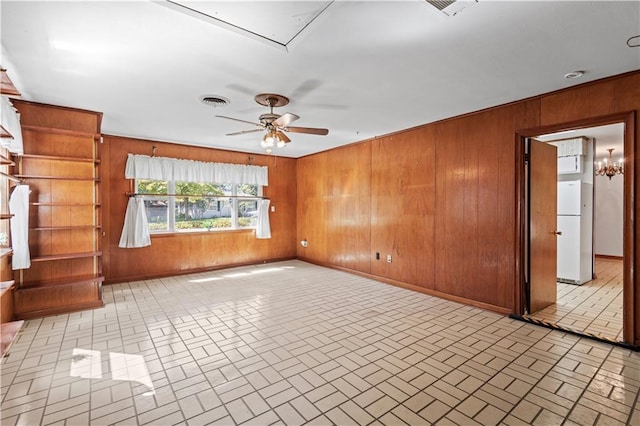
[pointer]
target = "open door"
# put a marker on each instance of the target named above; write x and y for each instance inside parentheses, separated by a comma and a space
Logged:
(543, 188)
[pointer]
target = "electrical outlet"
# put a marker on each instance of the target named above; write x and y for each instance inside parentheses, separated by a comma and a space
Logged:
(377, 255)
(273, 209)
(388, 258)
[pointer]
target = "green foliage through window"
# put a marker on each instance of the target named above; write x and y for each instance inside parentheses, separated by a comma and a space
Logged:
(198, 206)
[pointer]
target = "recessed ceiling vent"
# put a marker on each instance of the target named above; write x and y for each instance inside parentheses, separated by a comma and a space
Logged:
(451, 8)
(215, 101)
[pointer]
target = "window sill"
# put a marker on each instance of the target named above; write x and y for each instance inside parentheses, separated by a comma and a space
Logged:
(199, 232)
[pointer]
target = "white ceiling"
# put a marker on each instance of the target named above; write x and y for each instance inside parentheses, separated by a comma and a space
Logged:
(359, 68)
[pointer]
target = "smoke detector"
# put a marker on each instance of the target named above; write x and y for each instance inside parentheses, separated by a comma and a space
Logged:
(574, 74)
(451, 8)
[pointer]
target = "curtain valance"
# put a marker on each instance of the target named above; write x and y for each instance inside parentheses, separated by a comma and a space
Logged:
(163, 168)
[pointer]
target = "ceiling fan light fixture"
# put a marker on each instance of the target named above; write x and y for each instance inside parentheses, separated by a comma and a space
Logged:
(267, 140)
(274, 125)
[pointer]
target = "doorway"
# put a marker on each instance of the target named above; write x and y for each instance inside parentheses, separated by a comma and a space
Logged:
(602, 304)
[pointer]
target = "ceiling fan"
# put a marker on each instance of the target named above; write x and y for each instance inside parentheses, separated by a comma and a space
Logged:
(274, 125)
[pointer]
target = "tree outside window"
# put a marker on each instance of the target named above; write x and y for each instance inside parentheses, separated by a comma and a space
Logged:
(198, 206)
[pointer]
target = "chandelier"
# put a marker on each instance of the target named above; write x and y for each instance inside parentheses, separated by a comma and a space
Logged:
(610, 168)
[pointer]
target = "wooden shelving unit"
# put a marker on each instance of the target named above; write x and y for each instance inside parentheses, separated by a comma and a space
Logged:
(8, 327)
(61, 165)
(7, 180)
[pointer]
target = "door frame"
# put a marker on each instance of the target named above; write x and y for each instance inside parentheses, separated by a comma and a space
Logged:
(631, 150)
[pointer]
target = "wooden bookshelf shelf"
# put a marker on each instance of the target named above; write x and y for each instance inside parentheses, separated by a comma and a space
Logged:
(58, 178)
(66, 256)
(66, 281)
(6, 85)
(56, 131)
(8, 333)
(59, 158)
(5, 251)
(6, 286)
(4, 161)
(65, 228)
(10, 177)
(5, 216)
(66, 204)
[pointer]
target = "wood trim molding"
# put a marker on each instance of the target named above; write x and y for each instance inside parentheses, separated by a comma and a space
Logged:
(195, 271)
(435, 293)
(64, 108)
(606, 256)
(61, 310)
(630, 232)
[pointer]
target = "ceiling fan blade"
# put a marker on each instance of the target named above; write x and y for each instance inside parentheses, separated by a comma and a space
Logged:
(285, 119)
(311, 130)
(237, 119)
(283, 137)
(242, 132)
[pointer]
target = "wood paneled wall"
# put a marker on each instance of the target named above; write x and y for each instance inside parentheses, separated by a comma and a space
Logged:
(335, 207)
(441, 206)
(189, 252)
(443, 197)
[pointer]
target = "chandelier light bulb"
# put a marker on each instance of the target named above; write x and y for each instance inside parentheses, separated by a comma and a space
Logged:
(610, 168)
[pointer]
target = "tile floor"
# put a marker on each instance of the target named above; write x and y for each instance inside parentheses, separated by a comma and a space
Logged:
(293, 343)
(594, 307)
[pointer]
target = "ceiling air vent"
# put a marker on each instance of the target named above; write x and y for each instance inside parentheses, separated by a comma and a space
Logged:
(451, 8)
(214, 101)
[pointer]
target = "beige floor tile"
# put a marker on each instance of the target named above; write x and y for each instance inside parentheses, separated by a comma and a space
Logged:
(594, 307)
(293, 343)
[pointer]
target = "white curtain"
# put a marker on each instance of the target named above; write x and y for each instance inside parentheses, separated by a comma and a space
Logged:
(263, 228)
(19, 208)
(10, 121)
(135, 232)
(163, 168)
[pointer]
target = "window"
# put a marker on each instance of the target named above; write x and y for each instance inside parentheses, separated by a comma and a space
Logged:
(188, 206)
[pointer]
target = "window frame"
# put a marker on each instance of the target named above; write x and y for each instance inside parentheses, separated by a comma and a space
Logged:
(234, 199)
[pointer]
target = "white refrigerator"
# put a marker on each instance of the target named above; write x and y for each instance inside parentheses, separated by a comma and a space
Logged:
(575, 225)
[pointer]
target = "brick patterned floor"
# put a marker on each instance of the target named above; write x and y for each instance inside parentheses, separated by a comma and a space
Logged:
(293, 343)
(594, 307)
